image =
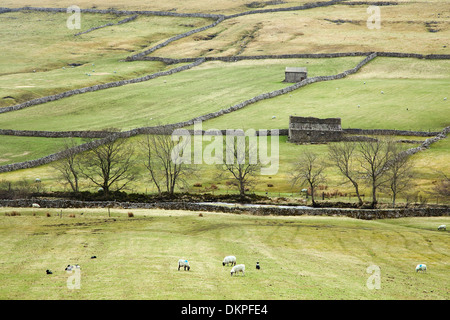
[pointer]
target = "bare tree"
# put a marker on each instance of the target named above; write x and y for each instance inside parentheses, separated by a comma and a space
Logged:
(399, 172)
(309, 169)
(68, 167)
(442, 186)
(166, 160)
(343, 156)
(241, 161)
(109, 166)
(374, 158)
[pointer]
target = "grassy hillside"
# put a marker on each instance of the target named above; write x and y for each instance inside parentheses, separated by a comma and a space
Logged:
(427, 167)
(302, 257)
(35, 65)
(179, 97)
(337, 28)
(413, 97)
(17, 149)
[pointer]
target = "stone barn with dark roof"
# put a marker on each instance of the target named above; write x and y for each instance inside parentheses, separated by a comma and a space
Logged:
(314, 130)
(295, 74)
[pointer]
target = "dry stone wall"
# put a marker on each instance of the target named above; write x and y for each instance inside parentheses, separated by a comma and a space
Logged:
(99, 87)
(302, 56)
(366, 214)
(108, 25)
(389, 132)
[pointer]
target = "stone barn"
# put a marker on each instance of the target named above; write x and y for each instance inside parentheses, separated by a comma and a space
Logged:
(314, 130)
(295, 74)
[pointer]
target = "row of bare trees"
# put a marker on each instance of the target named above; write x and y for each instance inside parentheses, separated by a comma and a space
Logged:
(381, 163)
(378, 164)
(113, 165)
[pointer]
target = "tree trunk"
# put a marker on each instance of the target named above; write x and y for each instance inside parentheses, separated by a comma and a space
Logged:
(374, 195)
(360, 202)
(312, 195)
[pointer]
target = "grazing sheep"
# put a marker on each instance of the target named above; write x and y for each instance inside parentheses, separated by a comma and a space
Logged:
(229, 259)
(70, 267)
(238, 268)
(258, 266)
(35, 205)
(421, 267)
(442, 227)
(183, 264)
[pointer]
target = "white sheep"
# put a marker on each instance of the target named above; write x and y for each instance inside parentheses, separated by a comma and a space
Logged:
(229, 259)
(238, 268)
(35, 205)
(71, 267)
(182, 263)
(442, 227)
(421, 267)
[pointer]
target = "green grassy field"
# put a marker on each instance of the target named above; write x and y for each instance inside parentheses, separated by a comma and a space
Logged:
(337, 28)
(17, 149)
(427, 166)
(413, 98)
(32, 63)
(179, 97)
(302, 257)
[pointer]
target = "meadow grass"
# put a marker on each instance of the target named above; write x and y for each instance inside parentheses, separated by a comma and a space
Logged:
(179, 97)
(204, 6)
(302, 257)
(414, 90)
(428, 167)
(17, 149)
(413, 95)
(43, 65)
(337, 28)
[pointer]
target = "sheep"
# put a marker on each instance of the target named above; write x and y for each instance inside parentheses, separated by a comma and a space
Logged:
(257, 265)
(229, 259)
(49, 271)
(35, 205)
(238, 268)
(183, 263)
(421, 267)
(71, 267)
(442, 227)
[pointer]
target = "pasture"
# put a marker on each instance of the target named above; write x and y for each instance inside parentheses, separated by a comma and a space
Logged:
(301, 257)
